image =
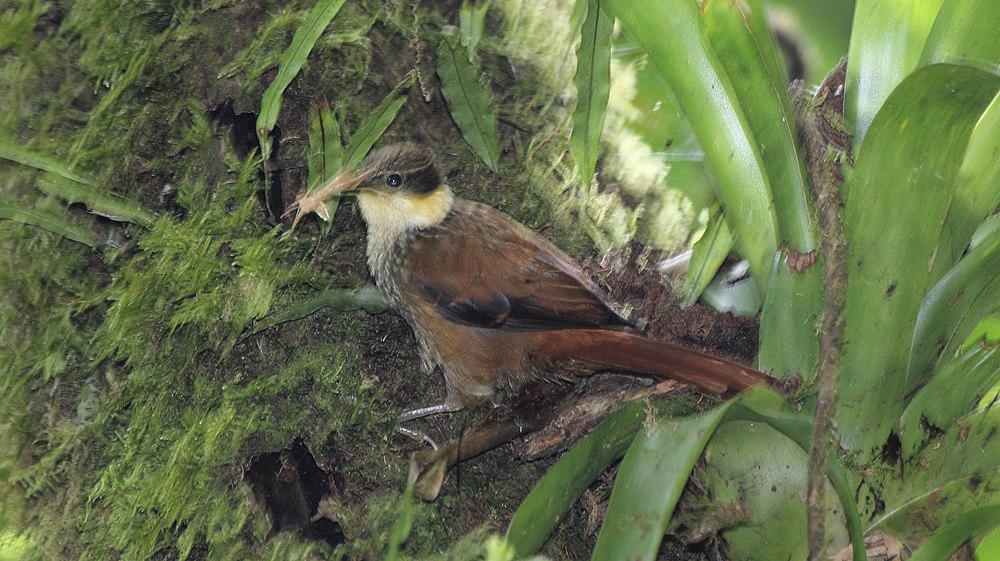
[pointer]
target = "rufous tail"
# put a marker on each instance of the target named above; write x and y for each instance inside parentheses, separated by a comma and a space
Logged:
(633, 352)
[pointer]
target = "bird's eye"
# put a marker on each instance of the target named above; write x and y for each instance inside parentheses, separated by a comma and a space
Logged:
(393, 180)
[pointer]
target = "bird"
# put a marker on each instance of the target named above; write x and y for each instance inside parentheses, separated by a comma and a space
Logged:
(494, 305)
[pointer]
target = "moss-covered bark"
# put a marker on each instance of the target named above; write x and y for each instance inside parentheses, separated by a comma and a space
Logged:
(139, 420)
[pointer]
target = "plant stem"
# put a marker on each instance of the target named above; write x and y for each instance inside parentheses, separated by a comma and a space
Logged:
(826, 146)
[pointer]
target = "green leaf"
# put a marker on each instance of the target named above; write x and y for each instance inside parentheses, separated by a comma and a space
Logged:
(289, 65)
(9, 150)
(955, 305)
(97, 201)
(55, 223)
(375, 124)
(649, 483)
(340, 299)
(552, 496)
(946, 541)
(954, 390)
(468, 101)
(976, 193)
(669, 31)
(657, 466)
(402, 526)
(593, 85)
(966, 31)
(887, 39)
(789, 320)
(897, 200)
(708, 254)
(753, 65)
(325, 158)
(471, 19)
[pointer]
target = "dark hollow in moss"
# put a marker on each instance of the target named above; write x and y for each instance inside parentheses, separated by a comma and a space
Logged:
(289, 485)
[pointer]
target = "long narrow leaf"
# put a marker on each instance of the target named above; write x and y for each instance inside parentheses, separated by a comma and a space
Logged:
(976, 192)
(340, 299)
(918, 139)
(963, 297)
(649, 484)
(54, 223)
(946, 540)
(752, 62)
(325, 158)
(97, 201)
(789, 320)
(552, 496)
(669, 31)
(9, 150)
(375, 124)
(468, 101)
(708, 254)
(593, 85)
(471, 20)
(289, 65)
(965, 31)
(887, 39)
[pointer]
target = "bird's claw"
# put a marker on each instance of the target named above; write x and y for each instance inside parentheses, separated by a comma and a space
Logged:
(417, 435)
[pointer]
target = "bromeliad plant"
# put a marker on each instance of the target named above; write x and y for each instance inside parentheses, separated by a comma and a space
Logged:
(873, 239)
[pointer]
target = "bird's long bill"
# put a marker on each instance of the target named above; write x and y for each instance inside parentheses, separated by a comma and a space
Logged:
(315, 201)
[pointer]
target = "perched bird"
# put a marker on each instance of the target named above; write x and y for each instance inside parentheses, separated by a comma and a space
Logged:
(493, 304)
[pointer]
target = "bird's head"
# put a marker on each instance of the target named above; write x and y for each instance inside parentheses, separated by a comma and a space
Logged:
(397, 186)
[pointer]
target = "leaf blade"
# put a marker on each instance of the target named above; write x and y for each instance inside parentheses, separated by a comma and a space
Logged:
(54, 223)
(593, 87)
(468, 101)
(375, 124)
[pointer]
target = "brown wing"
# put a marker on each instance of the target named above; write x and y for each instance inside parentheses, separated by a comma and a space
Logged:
(480, 267)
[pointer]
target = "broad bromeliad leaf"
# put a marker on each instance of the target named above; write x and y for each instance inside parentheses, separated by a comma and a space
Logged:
(670, 32)
(954, 471)
(965, 31)
(972, 525)
(468, 101)
(954, 306)
(658, 464)
(887, 39)
(553, 495)
(593, 85)
(789, 319)
(897, 201)
(289, 65)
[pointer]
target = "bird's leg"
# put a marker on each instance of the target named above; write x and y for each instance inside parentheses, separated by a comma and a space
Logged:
(418, 413)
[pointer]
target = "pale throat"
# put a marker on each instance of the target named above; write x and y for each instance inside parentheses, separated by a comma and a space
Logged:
(391, 215)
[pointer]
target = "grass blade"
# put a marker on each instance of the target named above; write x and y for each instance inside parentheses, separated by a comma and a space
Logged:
(289, 65)
(16, 153)
(669, 31)
(887, 39)
(471, 19)
(593, 85)
(99, 202)
(948, 538)
(468, 101)
(918, 139)
(375, 125)
(325, 158)
(55, 223)
(707, 256)
(552, 496)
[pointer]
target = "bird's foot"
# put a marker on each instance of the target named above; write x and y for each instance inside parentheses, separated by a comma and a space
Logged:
(417, 435)
(412, 414)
